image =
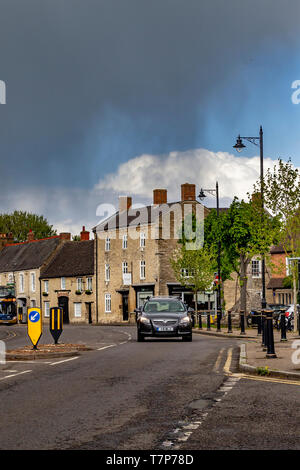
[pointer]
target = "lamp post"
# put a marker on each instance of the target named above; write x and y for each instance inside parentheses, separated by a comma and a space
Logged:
(239, 146)
(201, 196)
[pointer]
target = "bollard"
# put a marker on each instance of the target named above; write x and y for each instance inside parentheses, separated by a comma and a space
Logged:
(259, 323)
(219, 316)
(208, 321)
(200, 321)
(229, 322)
(282, 325)
(242, 322)
(270, 335)
(264, 332)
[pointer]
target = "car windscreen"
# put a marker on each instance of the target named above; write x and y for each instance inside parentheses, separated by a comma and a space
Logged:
(173, 306)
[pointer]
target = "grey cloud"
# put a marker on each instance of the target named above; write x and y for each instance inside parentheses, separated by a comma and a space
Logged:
(92, 83)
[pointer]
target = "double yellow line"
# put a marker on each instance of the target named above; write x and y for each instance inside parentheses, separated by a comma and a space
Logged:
(227, 371)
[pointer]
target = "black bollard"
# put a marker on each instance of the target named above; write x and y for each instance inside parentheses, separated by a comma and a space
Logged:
(264, 330)
(200, 321)
(258, 323)
(270, 335)
(219, 316)
(282, 325)
(229, 322)
(208, 321)
(242, 322)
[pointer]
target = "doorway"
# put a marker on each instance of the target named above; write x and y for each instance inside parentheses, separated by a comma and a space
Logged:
(89, 312)
(63, 302)
(125, 306)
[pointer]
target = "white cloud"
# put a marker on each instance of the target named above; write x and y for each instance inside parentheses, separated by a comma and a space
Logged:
(68, 209)
(139, 176)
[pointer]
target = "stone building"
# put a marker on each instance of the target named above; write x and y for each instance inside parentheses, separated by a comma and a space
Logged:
(67, 281)
(21, 264)
(132, 253)
(277, 293)
(254, 287)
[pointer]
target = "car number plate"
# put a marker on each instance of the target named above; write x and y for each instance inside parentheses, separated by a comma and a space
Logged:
(165, 328)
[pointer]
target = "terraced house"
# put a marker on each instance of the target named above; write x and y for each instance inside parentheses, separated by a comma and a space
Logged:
(21, 265)
(67, 281)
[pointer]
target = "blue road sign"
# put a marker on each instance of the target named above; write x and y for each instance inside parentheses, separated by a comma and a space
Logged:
(34, 316)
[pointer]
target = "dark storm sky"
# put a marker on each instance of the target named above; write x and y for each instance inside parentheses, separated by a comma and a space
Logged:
(93, 83)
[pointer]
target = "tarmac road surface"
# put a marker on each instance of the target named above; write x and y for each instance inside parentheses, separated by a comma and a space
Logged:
(159, 394)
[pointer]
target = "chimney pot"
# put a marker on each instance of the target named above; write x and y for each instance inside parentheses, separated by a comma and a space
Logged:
(84, 234)
(160, 196)
(65, 236)
(30, 236)
(188, 192)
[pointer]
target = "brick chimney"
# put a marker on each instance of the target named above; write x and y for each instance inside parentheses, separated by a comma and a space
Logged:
(30, 236)
(6, 239)
(84, 234)
(188, 192)
(65, 236)
(125, 202)
(160, 196)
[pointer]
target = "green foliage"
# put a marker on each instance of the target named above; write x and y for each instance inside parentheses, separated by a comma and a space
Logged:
(281, 187)
(19, 223)
(288, 282)
(76, 238)
(193, 268)
(263, 370)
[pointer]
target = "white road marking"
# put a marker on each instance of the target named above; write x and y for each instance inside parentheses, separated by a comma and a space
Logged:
(65, 360)
(14, 375)
(105, 347)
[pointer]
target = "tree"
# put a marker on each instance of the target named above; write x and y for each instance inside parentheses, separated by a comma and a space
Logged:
(281, 186)
(244, 233)
(19, 223)
(193, 269)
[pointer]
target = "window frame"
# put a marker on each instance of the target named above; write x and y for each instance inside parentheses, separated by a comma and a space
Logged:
(32, 282)
(107, 303)
(77, 304)
(47, 310)
(79, 284)
(21, 289)
(107, 244)
(63, 283)
(256, 272)
(142, 269)
(125, 242)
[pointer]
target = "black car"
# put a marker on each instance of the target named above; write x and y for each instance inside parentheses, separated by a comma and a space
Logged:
(164, 317)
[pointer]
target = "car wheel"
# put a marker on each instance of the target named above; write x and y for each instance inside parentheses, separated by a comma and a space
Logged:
(140, 337)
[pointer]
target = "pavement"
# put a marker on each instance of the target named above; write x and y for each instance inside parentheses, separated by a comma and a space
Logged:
(253, 358)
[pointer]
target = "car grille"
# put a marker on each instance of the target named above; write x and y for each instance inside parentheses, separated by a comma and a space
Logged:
(164, 323)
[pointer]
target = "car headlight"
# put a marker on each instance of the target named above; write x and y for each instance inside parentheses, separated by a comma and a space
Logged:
(185, 320)
(145, 320)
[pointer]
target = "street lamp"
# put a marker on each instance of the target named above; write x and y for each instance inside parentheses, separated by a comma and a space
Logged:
(239, 146)
(202, 195)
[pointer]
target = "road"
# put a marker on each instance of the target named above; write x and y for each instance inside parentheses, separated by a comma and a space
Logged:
(123, 395)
